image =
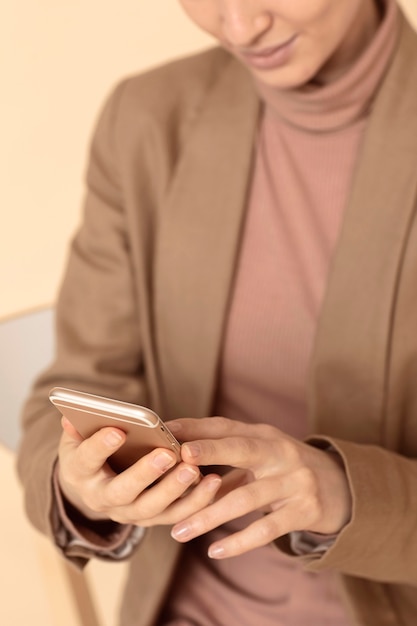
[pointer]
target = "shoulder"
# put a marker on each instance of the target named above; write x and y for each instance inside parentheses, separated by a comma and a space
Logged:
(192, 74)
(153, 113)
(401, 76)
(148, 118)
(172, 92)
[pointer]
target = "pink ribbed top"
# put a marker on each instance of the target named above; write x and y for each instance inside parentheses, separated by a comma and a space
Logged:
(307, 148)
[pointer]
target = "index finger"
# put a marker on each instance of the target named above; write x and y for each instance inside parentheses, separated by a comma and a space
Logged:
(240, 452)
(187, 429)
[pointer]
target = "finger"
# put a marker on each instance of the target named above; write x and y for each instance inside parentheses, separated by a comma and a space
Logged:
(260, 533)
(125, 488)
(92, 453)
(187, 429)
(252, 497)
(105, 491)
(194, 500)
(241, 452)
(232, 480)
(136, 505)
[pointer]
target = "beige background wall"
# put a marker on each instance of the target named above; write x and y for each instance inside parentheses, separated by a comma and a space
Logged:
(58, 61)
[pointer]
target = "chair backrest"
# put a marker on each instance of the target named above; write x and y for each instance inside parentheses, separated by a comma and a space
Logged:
(26, 347)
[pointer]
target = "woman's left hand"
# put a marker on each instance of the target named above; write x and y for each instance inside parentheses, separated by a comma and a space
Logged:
(295, 485)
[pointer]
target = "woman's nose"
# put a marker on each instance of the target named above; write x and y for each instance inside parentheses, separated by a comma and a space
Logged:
(244, 21)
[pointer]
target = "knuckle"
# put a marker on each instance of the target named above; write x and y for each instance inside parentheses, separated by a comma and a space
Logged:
(267, 431)
(307, 480)
(208, 448)
(196, 499)
(206, 520)
(115, 494)
(291, 451)
(247, 447)
(246, 498)
(144, 511)
(267, 530)
(310, 509)
(220, 422)
(239, 543)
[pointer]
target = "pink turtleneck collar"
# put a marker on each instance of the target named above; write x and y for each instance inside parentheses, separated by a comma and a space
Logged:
(348, 98)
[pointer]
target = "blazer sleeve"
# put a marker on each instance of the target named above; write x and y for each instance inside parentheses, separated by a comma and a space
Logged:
(380, 541)
(98, 338)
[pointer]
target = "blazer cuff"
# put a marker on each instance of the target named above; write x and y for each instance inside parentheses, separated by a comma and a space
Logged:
(303, 543)
(78, 536)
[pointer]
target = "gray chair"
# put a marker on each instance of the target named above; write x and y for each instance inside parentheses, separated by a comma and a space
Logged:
(26, 347)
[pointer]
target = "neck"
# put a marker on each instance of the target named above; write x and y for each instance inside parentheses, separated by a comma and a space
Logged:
(361, 33)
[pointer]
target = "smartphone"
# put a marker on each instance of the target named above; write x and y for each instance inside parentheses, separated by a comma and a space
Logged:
(144, 429)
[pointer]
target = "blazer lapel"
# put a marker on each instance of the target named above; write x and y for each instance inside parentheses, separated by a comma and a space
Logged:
(349, 367)
(198, 242)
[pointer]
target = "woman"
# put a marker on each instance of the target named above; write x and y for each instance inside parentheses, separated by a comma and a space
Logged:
(245, 204)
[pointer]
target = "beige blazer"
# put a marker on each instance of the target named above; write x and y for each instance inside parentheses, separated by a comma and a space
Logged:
(143, 305)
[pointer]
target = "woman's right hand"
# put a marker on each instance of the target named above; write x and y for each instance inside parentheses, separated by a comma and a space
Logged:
(88, 482)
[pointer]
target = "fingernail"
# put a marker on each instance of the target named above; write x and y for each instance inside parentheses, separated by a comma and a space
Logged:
(181, 532)
(187, 475)
(216, 552)
(192, 449)
(163, 461)
(214, 484)
(113, 439)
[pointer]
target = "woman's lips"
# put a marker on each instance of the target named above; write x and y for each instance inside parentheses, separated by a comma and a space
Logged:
(269, 58)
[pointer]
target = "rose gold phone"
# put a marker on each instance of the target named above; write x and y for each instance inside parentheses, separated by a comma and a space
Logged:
(88, 413)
